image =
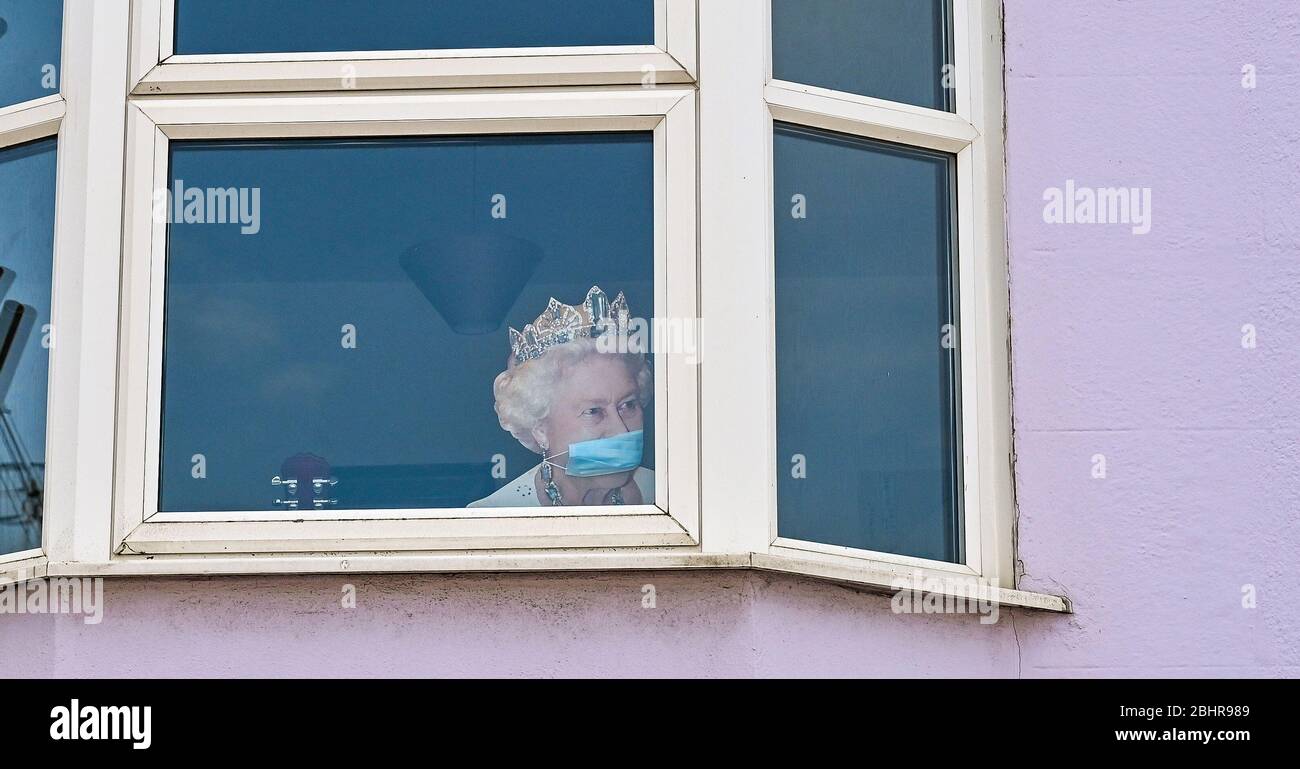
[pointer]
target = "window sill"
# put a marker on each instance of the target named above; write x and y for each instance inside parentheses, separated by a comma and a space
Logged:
(883, 580)
(863, 577)
(22, 566)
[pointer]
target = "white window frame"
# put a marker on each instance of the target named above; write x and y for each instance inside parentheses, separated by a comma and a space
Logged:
(673, 520)
(716, 489)
(157, 69)
(88, 198)
(738, 111)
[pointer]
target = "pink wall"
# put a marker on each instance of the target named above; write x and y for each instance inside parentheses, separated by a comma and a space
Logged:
(1131, 346)
(1127, 346)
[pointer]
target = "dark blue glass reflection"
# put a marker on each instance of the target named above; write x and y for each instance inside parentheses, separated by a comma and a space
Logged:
(31, 40)
(27, 174)
(309, 339)
(258, 26)
(866, 414)
(889, 49)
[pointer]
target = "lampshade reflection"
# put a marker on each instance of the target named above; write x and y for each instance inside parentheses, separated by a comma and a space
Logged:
(472, 280)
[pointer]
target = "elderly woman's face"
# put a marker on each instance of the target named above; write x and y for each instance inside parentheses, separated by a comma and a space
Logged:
(596, 398)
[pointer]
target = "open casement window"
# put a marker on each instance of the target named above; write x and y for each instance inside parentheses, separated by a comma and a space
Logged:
(868, 137)
(233, 46)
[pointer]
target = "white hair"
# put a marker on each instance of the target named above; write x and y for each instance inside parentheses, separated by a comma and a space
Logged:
(523, 390)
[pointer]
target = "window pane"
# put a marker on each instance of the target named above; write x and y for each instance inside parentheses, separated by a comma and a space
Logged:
(350, 317)
(31, 38)
(889, 49)
(258, 26)
(866, 414)
(26, 262)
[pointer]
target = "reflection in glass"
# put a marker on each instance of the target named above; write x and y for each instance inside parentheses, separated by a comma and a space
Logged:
(27, 175)
(285, 26)
(31, 40)
(337, 311)
(897, 50)
(868, 451)
(490, 272)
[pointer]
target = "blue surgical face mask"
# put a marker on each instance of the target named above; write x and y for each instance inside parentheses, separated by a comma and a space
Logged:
(604, 456)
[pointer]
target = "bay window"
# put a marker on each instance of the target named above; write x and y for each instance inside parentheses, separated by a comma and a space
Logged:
(639, 284)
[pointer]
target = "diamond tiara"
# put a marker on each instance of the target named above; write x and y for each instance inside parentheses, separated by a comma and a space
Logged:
(562, 323)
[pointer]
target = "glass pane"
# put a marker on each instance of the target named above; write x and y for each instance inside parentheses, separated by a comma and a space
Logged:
(866, 362)
(26, 262)
(258, 26)
(31, 39)
(337, 316)
(890, 49)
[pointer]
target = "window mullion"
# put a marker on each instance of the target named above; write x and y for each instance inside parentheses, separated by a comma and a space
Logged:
(738, 429)
(79, 481)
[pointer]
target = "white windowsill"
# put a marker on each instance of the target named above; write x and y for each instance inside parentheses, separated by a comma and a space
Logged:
(863, 577)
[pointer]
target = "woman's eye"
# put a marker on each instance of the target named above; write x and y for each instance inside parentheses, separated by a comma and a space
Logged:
(629, 406)
(594, 411)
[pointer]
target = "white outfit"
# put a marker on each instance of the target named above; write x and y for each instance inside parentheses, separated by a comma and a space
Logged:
(522, 491)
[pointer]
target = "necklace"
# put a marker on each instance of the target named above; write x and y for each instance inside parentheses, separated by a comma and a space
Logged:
(553, 491)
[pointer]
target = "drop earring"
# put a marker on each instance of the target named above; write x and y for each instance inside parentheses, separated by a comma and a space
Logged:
(552, 491)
